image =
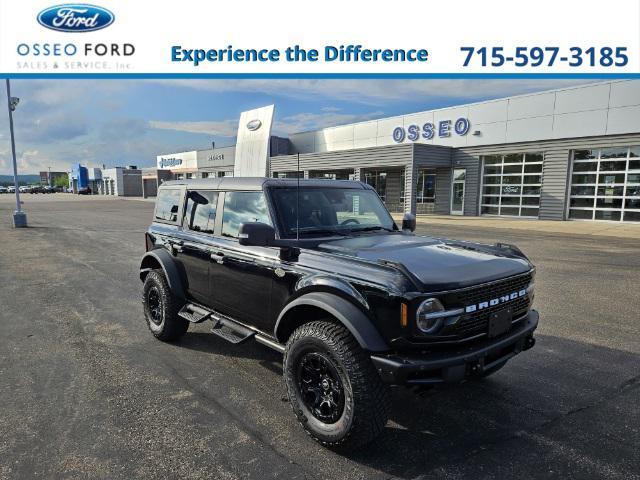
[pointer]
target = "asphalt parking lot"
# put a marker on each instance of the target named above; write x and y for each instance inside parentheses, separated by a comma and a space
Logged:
(87, 392)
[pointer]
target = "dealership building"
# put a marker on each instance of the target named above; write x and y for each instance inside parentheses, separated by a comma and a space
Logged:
(566, 154)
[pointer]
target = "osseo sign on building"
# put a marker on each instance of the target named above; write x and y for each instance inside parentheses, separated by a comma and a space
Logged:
(427, 131)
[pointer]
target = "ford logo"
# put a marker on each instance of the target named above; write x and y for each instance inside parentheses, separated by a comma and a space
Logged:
(254, 124)
(75, 17)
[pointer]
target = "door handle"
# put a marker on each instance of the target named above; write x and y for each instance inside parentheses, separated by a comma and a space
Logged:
(217, 257)
(176, 245)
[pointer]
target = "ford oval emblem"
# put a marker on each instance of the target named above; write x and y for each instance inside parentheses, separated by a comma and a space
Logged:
(254, 124)
(75, 17)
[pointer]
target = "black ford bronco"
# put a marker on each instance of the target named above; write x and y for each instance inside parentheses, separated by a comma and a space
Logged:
(319, 270)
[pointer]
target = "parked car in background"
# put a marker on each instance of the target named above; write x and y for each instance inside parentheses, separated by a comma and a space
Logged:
(3, 189)
(11, 189)
(24, 189)
(84, 191)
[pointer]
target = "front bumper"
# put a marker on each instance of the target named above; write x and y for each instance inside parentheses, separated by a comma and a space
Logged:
(456, 365)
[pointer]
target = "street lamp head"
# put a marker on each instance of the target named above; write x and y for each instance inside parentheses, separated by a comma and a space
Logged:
(13, 103)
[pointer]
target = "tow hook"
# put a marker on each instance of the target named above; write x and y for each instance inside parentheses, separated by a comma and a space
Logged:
(475, 368)
(529, 343)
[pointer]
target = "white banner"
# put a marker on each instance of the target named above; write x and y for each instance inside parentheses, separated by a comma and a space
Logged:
(329, 38)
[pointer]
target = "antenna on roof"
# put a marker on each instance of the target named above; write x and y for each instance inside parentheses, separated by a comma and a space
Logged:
(298, 201)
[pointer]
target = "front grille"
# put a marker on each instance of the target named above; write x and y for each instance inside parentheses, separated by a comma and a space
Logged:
(494, 290)
(475, 323)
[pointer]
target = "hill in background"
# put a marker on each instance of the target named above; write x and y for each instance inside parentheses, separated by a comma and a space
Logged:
(22, 179)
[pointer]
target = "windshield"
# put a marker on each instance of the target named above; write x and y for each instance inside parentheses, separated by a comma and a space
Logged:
(329, 211)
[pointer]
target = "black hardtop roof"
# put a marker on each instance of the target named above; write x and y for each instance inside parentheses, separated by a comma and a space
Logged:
(258, 183)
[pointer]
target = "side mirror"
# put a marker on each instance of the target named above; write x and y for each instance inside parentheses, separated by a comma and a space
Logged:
(408, 222)
(256, 234)
(198, 198)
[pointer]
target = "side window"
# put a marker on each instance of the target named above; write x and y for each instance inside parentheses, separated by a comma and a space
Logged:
(243, 207)
(167, 204)
(200, 214)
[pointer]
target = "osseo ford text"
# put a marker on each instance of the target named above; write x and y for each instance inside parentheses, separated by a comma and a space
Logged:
(71, 49)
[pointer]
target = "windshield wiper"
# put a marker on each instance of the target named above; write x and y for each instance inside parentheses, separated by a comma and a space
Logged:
(372, 228)
(322, 231)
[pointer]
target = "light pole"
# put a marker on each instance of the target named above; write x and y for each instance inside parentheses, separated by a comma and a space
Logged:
(19, 217)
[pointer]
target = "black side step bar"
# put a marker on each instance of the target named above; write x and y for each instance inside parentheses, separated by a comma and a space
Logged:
(231, 331)
(193, 313)
(226, 327)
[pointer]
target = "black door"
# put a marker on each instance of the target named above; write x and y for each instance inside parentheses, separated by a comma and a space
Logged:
(241, 277)
(193, 250)
(193, 258)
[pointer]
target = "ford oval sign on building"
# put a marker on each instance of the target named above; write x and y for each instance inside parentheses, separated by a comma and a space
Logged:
(75, 17)
(254, 124)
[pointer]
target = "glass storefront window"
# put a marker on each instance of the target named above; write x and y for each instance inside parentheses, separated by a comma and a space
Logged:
(615, 152)
(290, 174)
(331, 175)
(583, 190)
(613, 166)
(426, 186)
(604, 184)
(511, 184)
(585, 167)
(533, 157)
(491, 159)
(584, 154)
(378, 180)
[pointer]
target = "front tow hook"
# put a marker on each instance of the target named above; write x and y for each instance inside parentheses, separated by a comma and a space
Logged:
(529, 343)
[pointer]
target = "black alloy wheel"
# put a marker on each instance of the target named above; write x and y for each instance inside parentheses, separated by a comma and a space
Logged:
(154, 302)
(320, 387)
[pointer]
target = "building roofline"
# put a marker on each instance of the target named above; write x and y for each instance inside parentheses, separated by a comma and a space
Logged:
(522, 95)
(257, 183)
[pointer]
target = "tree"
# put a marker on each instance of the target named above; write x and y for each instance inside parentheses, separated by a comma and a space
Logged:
(61, 180)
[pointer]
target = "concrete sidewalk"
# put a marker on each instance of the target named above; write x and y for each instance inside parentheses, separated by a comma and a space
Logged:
(606, 229)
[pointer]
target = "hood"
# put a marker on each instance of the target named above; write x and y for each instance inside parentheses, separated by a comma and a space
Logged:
(437, 263)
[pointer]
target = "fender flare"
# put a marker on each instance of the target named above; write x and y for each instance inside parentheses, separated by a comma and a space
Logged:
(349, 315)
(169, 267)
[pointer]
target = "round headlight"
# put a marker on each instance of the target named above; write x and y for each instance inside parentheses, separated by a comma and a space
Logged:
(426, 318)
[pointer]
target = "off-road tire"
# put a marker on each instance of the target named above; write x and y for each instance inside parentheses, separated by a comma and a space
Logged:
(366, 398)
(170, 327)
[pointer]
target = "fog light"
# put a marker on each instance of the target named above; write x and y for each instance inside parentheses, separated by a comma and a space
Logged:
(428, 319)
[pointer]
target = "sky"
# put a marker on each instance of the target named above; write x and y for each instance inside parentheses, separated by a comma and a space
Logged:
(129, 122)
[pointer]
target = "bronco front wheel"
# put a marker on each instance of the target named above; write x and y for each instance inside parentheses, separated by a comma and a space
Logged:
(333, 387)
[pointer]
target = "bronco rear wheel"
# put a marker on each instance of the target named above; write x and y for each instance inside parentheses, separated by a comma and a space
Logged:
(333, 387)
(161, 308)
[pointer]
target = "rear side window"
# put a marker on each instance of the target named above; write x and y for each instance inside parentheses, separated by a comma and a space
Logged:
(200, 214)
(167, 204)
(243, 207)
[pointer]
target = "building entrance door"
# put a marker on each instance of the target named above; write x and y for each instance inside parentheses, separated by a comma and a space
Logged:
(457, 191)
